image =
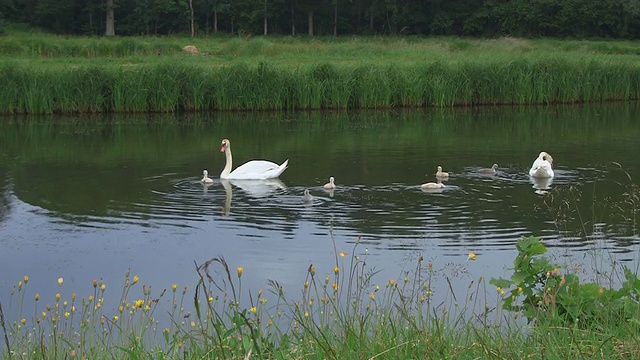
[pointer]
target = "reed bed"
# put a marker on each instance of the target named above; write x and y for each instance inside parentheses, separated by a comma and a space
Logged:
(343, 312)
(175, 86)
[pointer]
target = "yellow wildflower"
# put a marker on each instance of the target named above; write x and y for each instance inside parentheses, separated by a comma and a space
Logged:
(472, 256)
(135, 279)
(139, 303)
(174, 287)
(342, 253)
(37, 296)
(372, 296)
(240, 271)
(253, 310)
(26, 279)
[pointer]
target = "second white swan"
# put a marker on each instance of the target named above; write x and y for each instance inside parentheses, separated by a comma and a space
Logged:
(542, 166)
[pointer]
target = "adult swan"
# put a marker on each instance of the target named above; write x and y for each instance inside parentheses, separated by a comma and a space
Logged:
(251, 170)
(541, 167)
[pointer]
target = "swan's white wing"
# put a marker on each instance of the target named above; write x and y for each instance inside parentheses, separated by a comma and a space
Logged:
(257, 170)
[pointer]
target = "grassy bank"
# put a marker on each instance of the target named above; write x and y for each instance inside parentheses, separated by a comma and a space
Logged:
(94, 75)
(188, 86)
(541, 311)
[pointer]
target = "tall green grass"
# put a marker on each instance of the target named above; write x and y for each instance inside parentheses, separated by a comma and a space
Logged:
(175, 86)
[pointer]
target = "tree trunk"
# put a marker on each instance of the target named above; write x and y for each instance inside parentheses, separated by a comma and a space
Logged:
(335, 19)
(193, 28)
(265, 17)
(371, 17)
(111, 29)
(215, 20)
(310, 16)
(293, 18)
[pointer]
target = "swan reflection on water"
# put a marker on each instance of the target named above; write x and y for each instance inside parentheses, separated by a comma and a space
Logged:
(541, 185)
(253, 188)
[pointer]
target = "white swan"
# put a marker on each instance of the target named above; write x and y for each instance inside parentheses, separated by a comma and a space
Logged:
(441, 174)
(251, 170)
(331, 184)
(307, 198)
(541, 167)
(492, 170)
(432, 186)
(205, 177)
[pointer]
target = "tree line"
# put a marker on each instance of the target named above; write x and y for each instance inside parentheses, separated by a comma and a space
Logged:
(481, 18)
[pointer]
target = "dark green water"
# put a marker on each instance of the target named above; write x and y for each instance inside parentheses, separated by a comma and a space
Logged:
(87, 198)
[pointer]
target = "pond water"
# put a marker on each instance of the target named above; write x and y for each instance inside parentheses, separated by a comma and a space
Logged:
(87, 198)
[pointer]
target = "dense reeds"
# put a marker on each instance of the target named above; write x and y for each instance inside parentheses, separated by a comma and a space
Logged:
(175, 86)
(44, 74)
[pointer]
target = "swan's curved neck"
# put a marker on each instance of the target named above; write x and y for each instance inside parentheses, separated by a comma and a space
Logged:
(229, 163)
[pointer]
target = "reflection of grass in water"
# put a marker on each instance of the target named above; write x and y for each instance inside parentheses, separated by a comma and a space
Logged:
(104, 139)
(618, 202)
(342, 313)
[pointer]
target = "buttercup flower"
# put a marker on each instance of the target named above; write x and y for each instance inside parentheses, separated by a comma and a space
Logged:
(472, 256)
(240, 271)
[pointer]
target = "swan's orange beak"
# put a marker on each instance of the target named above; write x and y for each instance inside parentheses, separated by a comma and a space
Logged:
(223, 148)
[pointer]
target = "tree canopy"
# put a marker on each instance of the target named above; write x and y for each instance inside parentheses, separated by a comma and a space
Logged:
(481, 18)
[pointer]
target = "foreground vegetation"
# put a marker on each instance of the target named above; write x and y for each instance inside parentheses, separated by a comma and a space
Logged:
(346, 313)
(93, 76)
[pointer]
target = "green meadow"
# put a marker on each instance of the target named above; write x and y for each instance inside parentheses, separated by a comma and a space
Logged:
(47, 74)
